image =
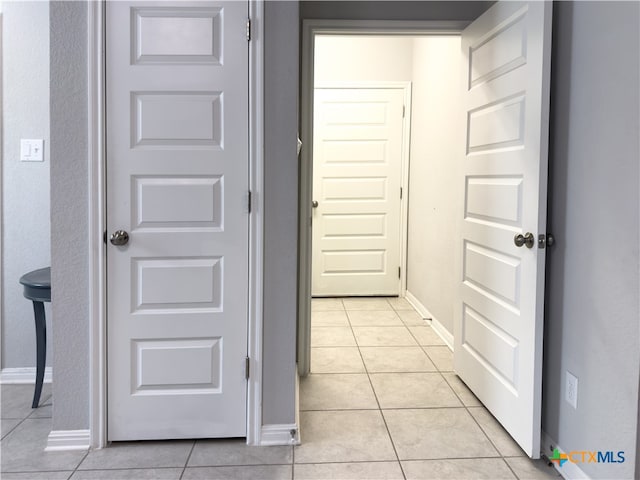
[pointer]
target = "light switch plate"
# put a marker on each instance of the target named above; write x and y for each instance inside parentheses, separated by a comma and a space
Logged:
(31, 150)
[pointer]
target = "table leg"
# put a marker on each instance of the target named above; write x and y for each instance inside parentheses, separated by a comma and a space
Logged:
(41, 347)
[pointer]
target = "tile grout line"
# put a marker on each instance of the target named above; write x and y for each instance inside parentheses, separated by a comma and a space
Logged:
(15, 426)
(27, 417)
(79, 463)
(460, 407)
(501, 456)
(424, 349)
(293, 459)
(511, 469)
(375, 395)
(186, 463)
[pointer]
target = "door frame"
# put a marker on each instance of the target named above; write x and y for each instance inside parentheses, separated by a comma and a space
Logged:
(96, 125)
(311, 28)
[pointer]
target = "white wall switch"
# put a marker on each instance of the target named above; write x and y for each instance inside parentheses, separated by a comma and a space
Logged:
(571, 390)
(31, 150)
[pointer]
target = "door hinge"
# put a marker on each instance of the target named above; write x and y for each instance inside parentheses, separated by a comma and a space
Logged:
(247, 364)
(399, 270)
(249, 201)
(248, 29)
(403, 110)
(400, 193)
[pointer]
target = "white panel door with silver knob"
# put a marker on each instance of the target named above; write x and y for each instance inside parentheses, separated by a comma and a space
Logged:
(500, 297)
(357, 173)
(177, 181)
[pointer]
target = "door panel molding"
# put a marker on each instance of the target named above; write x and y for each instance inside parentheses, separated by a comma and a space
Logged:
(97, 222)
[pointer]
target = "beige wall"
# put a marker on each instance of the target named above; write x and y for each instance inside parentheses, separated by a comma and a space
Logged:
(435, 152)
(357, 58)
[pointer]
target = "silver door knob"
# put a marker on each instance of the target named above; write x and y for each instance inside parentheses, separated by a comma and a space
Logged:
(526, 239)
(314, 204)
(119, 238)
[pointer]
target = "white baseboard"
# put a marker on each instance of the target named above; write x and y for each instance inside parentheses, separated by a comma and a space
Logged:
(21, 375)
(297, 437)
(442, 332)
(280, 434)
(415, 303)
(60, 440)
(569, 470)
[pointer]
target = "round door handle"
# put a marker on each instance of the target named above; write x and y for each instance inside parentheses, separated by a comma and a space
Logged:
(526, 239)
(314, 204)
(119, 238)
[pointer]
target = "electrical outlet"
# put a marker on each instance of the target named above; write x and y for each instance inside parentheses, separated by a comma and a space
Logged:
(571, 389)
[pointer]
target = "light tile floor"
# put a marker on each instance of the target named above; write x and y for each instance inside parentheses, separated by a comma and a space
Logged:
(381, 403)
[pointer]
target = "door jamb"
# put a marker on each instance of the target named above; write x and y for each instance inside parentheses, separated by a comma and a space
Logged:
(311, 28)
(96, 29)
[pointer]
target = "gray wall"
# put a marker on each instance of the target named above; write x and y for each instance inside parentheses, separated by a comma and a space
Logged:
(393, 10)
(280, 211)
(69, 210)
(25, 185)
(592, 311)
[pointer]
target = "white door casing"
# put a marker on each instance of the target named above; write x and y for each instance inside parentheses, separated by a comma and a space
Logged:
(499, 306)
(357, 177)
(177, 181)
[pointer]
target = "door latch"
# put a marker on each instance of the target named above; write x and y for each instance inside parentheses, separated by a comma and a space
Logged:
(547, 240)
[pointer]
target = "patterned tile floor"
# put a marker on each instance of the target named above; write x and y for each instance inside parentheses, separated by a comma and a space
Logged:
(381, 402)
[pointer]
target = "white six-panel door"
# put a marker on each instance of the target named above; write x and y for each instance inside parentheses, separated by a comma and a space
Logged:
(357, 153)
(177, 180)
(499, 308)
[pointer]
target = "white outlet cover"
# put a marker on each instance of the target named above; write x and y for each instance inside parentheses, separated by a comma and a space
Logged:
(31, 150)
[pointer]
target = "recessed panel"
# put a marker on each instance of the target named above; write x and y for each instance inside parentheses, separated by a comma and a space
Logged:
(360, 152)
(177, 202)
(346, 188)
(353, 261)
(494, 199)
(355, 113)
(176, 119)
(176, 365)
(497, 126)
(501, 53)
(492, 272)
(170, 35)
(491, 345)
(171, 284)
(348, 226)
